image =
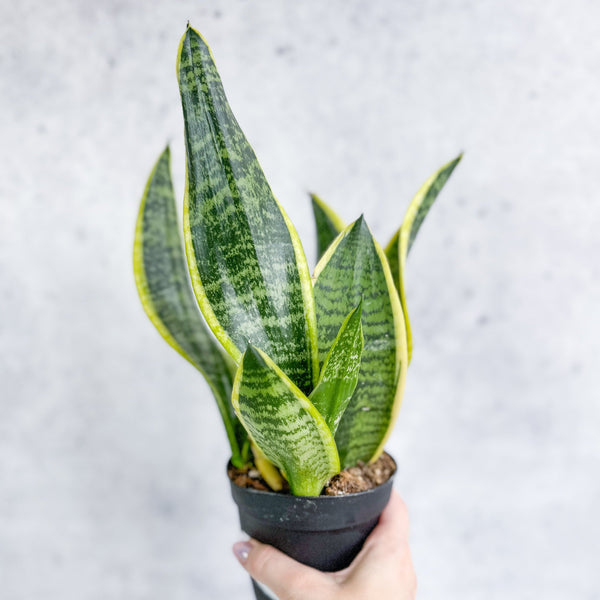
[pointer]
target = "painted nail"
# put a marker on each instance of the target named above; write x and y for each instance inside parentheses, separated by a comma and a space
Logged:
(242, 550)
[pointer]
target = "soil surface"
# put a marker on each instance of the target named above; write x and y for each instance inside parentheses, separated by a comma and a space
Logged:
(360, 478)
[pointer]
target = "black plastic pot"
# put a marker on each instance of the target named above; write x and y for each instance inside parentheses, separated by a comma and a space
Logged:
(324, 532)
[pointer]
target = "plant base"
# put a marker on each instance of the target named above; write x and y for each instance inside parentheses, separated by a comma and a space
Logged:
(324, 532)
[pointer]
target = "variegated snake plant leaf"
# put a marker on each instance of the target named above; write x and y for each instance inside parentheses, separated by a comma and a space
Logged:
(399, 246)
(284, 424)
(339, 373)
(320, 365)
(327, 222)
(329, 225)
(354, 268)
(247, 265)
(162, 282)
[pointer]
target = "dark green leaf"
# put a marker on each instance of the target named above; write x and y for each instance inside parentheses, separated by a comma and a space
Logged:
(401, 243)
(248, 268)
(163, 286)
(284, 424)
(355, 267)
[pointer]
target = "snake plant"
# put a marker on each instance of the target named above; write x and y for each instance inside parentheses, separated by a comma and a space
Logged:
(308, 372)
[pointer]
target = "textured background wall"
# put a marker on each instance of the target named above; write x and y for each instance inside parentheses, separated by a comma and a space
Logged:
(111, 451)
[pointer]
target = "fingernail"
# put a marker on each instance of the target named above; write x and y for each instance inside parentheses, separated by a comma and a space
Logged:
(242, 550)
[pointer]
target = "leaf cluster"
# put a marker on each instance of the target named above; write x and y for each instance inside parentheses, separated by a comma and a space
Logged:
(308, 371)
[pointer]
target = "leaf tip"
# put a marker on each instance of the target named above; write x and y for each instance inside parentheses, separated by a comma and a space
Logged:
(358, 309)
(360, 226)
(192, 32)
(357, 315)
(252, 355)
(317, 203)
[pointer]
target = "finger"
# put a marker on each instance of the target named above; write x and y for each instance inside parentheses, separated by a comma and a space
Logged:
(389, 535)
(385, 554)
(393, 522)
(286, 577)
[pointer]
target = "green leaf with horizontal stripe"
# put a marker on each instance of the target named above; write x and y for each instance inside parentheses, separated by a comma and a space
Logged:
(162, 282)
(355, 267)
(401, 243)
(247, 265)
(339, 374)
(284, 424)
(327, 222)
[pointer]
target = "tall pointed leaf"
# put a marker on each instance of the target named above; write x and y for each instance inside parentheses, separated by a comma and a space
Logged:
(162, 283)
(355, 267)
(399, 246)
(422, 202)
(328, 224)
(340, 370)
(248, 268)
(284, 424)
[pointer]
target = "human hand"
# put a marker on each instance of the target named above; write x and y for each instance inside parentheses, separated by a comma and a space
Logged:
(383, 569)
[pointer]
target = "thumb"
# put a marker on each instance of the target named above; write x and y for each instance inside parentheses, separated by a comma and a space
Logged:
(286, 577)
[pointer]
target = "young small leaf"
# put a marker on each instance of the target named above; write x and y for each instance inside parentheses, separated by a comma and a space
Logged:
(247, 265)
(162, 283)
(328, 224)
(284, 424)
(401, 243)
(355, 267)
(267, 469)
(340, 370)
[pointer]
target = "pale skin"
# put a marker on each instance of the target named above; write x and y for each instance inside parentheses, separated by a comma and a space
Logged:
(383, 569)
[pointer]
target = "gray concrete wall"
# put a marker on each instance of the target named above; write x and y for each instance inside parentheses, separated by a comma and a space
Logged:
(111, 450)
